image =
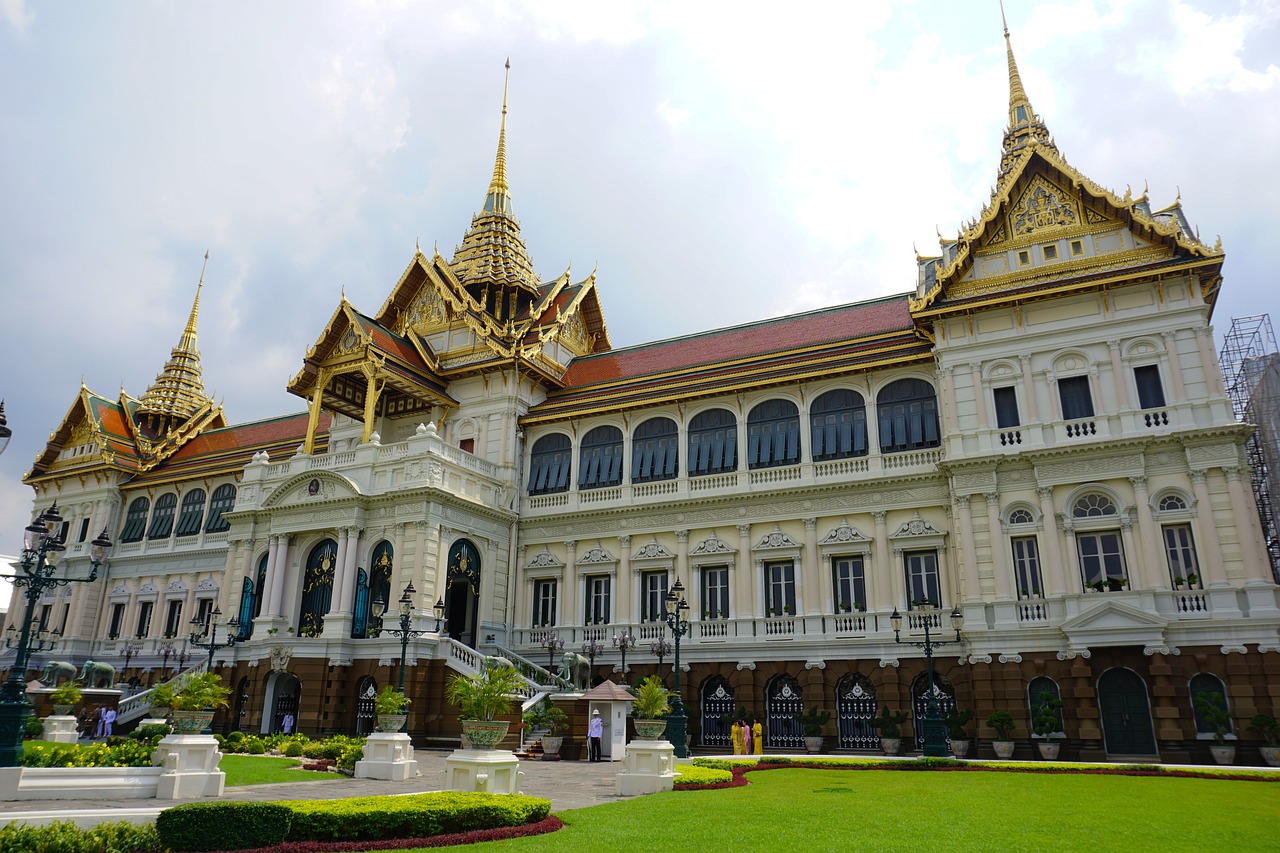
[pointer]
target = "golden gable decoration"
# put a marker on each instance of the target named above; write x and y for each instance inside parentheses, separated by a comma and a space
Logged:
(1043, 207)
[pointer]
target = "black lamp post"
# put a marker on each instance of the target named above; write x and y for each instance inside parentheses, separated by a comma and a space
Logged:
(552, 644)
(182, 658)
(129, 651)
(404, 632)
(678, 621)
(201, 628)
(660, 648)
(165, 652)
(592, 648)
(624, 642)
(935, 729)
(40, 550)
(5, 432)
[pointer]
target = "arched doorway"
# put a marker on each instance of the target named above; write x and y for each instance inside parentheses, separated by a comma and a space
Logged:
(783, 706)
(365, 716)
(462, 597)
(283, 692)
(317, 588)
(943, 693)
(717, 711)
(242, 705)
(1126, 713)
(855, 708)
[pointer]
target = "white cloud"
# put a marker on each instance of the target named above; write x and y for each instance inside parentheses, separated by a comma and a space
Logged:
(673, 116)
(16, 12)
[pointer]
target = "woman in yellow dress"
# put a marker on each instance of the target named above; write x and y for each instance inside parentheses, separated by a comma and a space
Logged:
(735, 735)
(757, 737)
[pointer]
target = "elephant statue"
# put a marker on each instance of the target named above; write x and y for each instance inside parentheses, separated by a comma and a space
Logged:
(94, 674)
(576, 669)
(55, 671)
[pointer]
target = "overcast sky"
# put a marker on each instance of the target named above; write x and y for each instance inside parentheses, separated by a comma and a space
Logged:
(719, 163)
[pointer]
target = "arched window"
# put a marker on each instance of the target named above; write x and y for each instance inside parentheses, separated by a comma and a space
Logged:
(1093, 506)
(783, 707)
(371, 586)
(317, 588)
(838, 425)
(855, 709)
(1101, 551)
(135, 521)
(1170, 503)
(223, 500)
(192, 513)
(907, 412)
(773, 434)
(1208, 697)
(162, 517)
(1040, 690)
(655, 450)
(260, 586)
(549, 464)
(713, 442)
(600, 460)
(248, 596)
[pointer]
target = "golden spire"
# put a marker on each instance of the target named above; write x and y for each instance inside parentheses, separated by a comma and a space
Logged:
(1025, 127)
(498, 199)
(178, 391)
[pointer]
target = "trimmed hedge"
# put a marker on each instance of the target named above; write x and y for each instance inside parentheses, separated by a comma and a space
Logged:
(416, 816)
(63, 836)
(230, 825)
(694, 775)
(121, 753)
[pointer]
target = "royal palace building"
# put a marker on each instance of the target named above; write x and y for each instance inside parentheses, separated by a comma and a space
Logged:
(1035, 434)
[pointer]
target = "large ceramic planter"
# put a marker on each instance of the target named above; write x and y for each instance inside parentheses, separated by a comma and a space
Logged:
(1049, 749)
(650, 729)
(391, 722)
(1003, 748)
(485, 734)
(191, 722)
(1223, 754)
(161, 713)
(813, 745)
(551, 747)
(890, 745)
(960, 748)
(1271, 755)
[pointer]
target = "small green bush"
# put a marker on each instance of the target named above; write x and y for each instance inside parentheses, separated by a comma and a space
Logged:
(235, 737)
(416, 816)
(33, 728)
(691, 774)
(230, 825)
(254, 746)
(65, 836)
(151, 734)
(293, 749)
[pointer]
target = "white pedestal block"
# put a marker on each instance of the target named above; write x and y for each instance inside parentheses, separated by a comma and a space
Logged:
(190, 765)
(60, 728)
(649, 767)
(387, 755)
(495, 771)
(153, 721)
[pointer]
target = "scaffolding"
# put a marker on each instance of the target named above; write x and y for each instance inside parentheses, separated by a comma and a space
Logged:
(1251, 370)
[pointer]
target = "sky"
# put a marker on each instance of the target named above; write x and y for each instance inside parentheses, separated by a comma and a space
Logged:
(716, 163)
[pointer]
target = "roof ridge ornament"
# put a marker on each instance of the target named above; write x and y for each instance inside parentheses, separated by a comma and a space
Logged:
(178, 392)
(498, 199)
(1025, 129)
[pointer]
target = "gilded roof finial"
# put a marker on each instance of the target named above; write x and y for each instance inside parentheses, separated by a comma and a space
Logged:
(178, 391)
(498, 199)
(1025, 127)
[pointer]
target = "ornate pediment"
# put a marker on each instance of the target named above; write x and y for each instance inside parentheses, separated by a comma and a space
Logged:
(1113, 623)
(713, 544)
(774, 540)
(544, 560)
(596, 555)
(652, 551)
(311, 488)
(1042, 209)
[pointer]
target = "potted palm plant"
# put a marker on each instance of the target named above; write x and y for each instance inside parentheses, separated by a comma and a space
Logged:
(389, 706)
(1214, 715)
(888, 725)
(480, 698)
(1002, 723)
(1266, 726)
(812, 721)
(161, 698)
(651, 707)
(956, 722)
(195, 699)
(1046, 725)
(66, 697)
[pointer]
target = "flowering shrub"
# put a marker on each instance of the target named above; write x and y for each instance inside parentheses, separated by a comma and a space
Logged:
(693, 775)
(125, 753)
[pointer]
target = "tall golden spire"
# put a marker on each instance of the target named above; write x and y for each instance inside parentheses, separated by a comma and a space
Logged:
(178, 392)
(1025, 127)
(498, 199)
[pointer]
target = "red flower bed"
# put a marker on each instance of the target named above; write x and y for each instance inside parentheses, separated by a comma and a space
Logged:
(550, 824)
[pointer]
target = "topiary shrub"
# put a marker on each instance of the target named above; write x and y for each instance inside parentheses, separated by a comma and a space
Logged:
(63, 835)
(151, 734)
(293, 749)
(223, 825)
(416, 816)
(713, 763)
(235, 737)
(254, 746)
(33, 728)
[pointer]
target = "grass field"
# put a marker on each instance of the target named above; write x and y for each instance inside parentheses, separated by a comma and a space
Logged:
(256, 770)
(820, 810)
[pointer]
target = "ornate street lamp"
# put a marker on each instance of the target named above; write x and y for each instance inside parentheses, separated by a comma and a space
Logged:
(592, 648)
(166, 651)
(553, 644)
(5, 432)
(935, 729)
(403, 632)
(128, 652)
(677, 616)
(660, 648)
(201, 628)
(624, 642)
(40, 550)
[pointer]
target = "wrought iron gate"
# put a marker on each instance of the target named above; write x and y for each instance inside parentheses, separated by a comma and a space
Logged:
(783, 707)
(943, 692)
(717, 709)
(365, 717)
(855, 708)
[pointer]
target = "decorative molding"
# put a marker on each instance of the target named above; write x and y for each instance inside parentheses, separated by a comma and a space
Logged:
(1071, 654)
(280, 658)
(1241, 650)
(655, 550)
(979, 658)
(886, 662)
(916, 526)
(1268, 647)
(207, 585)
(545, 559)
(1010, 658)
(775, 540)
(844, 534)
(746, 664)
(713, 544)
(596, 555)
(815, 664)
(1161, 650)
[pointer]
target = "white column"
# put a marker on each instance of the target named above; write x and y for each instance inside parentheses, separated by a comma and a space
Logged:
(979, 398)
(1257, 563)
(569, 615)
(746, 604)
(276, 574)
(682, 559)
(969, 554)
(1121, 381)
(442, 560)
(1213, 571)
(890, 585)
(1209, 361)
(1175, 366)
(811, 599)
(1029, 390)
(1055, 580)
(946, 400)
(343, 584)
(1149, 533)
(623, 583)
(995, 535)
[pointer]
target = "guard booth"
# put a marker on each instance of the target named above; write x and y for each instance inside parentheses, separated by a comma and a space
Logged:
(613, 703)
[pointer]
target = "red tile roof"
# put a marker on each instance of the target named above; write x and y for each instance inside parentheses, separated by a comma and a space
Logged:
(230, 448)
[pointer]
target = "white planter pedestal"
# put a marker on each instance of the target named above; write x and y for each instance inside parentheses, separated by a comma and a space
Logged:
(387, 755)
(154, 721)
(496, 771)
(190, 767)
(60, 728)
(648, 767)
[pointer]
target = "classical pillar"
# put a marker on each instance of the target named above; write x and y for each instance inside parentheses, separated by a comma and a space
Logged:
(995, 536)
(276, 569)
(891, 585)
(1213, 572)
(1149, 533)
(343, 586)
(442, 560)
(1055, 577)
(979, 398)
(1121, 381)
(1209, 361)
(1126, 534)
(946, 399)
(1029, 390)
(1175, 366)
(969, 554)
(623, 595)
(747, 604)
(569, 614)
(1244, 513)
(418, 570)
(682, 558)
(811, 599)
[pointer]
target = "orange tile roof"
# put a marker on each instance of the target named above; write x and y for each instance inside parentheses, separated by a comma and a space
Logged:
(230, 448)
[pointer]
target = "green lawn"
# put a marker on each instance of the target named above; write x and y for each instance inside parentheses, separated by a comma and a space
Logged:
(256, 770)
(818, 810)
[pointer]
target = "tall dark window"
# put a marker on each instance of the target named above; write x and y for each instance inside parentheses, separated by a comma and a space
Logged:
(715, 592)
(780, 588)
(922, 578)
(84, 530)
(1101, 558)
(773, 434)
(117, 620)
(838, 425)
(713, 442)
(192, 513)
(1026, 567)
(1202, 686)
(173, 618)
(544, 602)
(1036, 695)
(1077, 400)
(1006, 407)
(907, 412)
(600, 460)
(653, 596)
(135, 522)
(655, 450)
(1180, 550)
(162, 516)
(849, 582)
(247, 596)
(549, 464)
(1150, 391)
(260, 586)
(372, 585)
(597, 599)
(144, 618)
(223, 501)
